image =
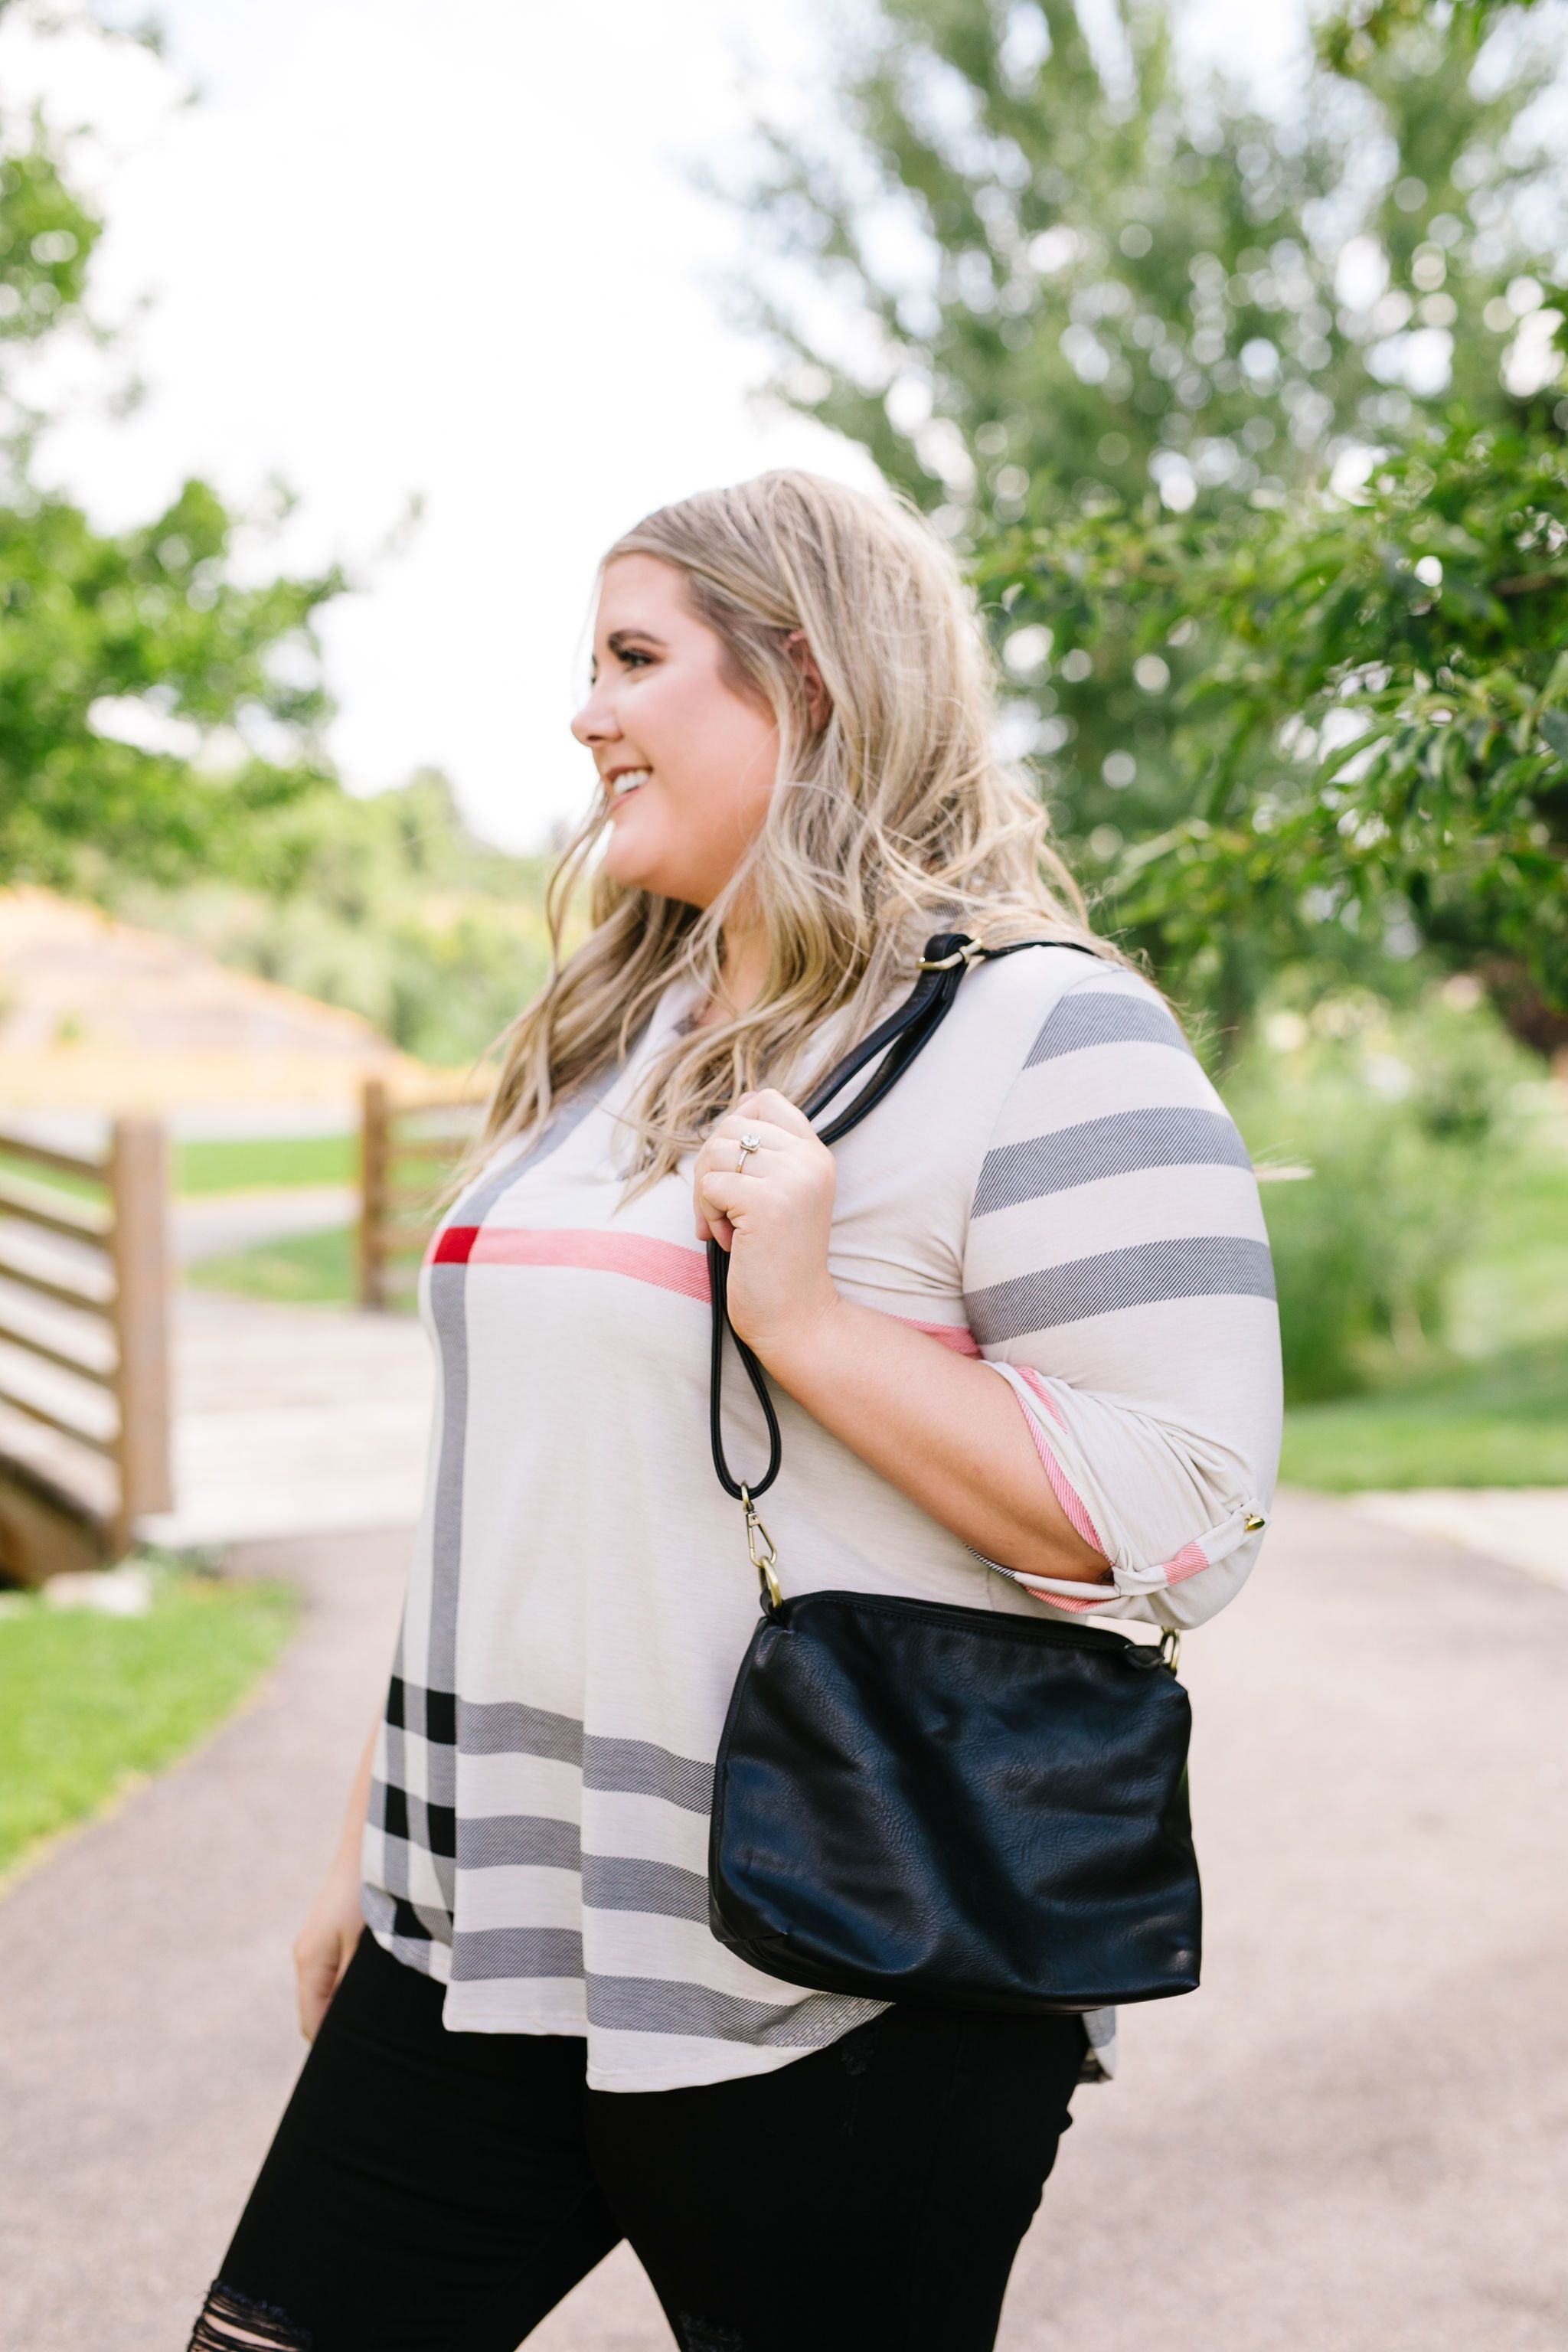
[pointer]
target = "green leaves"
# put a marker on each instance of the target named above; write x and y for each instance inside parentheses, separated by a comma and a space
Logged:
(144, 716)
(46, 236)
(151, 706)
(1125, 334)
(1379, 720)
(1353, 37)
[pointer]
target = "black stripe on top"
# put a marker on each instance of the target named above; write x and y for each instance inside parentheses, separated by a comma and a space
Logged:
(633, 1767)
(1104, 1016)
(1205, 1265)
(1121, 1144)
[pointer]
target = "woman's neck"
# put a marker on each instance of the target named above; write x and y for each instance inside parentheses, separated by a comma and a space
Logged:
(740, 976)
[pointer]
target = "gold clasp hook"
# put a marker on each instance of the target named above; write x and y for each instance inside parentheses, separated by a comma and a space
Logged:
(762, 1561)
(969, 953)
(1170, 1647)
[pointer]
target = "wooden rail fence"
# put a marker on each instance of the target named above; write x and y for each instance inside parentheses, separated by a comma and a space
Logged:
(84, 1293)
(407, 1153)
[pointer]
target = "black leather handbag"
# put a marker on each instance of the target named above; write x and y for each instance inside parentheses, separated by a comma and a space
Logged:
(921, 1802)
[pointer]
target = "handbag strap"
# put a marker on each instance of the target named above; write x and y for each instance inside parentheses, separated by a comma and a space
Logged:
(906, 1032)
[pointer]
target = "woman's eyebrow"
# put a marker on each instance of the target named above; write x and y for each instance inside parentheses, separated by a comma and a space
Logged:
(620, 639)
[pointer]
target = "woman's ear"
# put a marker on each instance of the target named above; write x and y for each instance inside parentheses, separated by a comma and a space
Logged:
(819, 701)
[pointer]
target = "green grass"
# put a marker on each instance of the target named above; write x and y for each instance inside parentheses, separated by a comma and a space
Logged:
(1491, 1409)
(79, 1188)
(229, 1164)
(1500, 1421)
(298, 1270)
(248, 1163)
(1513, 1285)
(90, 1704)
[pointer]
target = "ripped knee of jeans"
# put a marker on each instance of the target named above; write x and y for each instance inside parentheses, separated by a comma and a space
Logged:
(231, 2322)
(703, 2336)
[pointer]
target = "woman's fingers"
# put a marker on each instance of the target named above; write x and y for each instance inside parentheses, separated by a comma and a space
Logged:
(724, 1194)
(726, 1179)
(726, 1136)
(767, 1103)
(713, 1222)
(712, 1225)
(721, 1155)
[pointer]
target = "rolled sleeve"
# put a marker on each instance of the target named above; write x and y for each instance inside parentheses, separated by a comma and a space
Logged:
(1117, 1275)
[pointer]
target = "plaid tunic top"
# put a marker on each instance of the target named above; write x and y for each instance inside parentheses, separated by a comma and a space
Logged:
(1053, 1187)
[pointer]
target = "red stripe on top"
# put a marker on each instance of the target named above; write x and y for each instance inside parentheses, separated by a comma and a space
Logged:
(1074, 1508)
(1187, 1562)
(955, 1336)
(1102, 1594)
(666, 1264)
(452, 1245)
(1027, 1372)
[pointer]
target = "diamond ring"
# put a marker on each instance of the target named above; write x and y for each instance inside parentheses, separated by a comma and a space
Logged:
(749, 1143)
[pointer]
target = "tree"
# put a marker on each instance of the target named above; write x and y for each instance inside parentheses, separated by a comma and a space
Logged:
(151, 705)
(1349, 38)
(1376, 754)
(1116, 331)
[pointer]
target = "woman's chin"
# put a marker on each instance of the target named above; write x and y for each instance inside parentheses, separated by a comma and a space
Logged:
(640, 855)
(634, 865)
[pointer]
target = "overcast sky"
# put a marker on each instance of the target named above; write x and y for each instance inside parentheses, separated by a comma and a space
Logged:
(449, 247)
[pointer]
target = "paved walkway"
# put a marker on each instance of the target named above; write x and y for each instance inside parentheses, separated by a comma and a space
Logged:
(294, 1421)
(1526, 1526)
(1350, 2140)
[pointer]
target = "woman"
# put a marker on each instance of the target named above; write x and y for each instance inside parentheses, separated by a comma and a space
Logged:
(1023, 1318)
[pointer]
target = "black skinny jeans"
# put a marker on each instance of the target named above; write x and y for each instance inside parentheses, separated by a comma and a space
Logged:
(431, 2191)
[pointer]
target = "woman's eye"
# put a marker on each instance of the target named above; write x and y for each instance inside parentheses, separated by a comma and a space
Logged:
(632, 659)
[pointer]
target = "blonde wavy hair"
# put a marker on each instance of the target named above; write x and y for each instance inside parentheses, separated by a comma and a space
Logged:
(892, 818)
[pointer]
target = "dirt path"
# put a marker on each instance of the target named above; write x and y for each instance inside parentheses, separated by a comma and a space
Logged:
(1352, 2140)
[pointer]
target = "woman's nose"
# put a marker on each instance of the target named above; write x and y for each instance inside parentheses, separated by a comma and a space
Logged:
(594, 724)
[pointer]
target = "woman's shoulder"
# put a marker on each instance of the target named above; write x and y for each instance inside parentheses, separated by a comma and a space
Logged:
(1041, 1003)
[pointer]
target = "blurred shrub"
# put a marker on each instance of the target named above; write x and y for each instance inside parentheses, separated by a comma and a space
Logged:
(1401, 1120)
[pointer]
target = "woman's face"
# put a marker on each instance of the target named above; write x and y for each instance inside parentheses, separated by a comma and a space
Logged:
(686, 763)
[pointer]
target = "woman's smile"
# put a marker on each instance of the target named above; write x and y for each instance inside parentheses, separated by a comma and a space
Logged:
(666, 707)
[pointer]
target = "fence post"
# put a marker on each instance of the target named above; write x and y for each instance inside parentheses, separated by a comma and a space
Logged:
(138, 1189)
(372, 1172)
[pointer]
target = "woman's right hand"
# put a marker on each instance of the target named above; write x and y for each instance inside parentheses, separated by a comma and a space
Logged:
(325, 1944)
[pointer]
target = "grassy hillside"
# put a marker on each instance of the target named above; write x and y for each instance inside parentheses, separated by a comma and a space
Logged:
(388, 906)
